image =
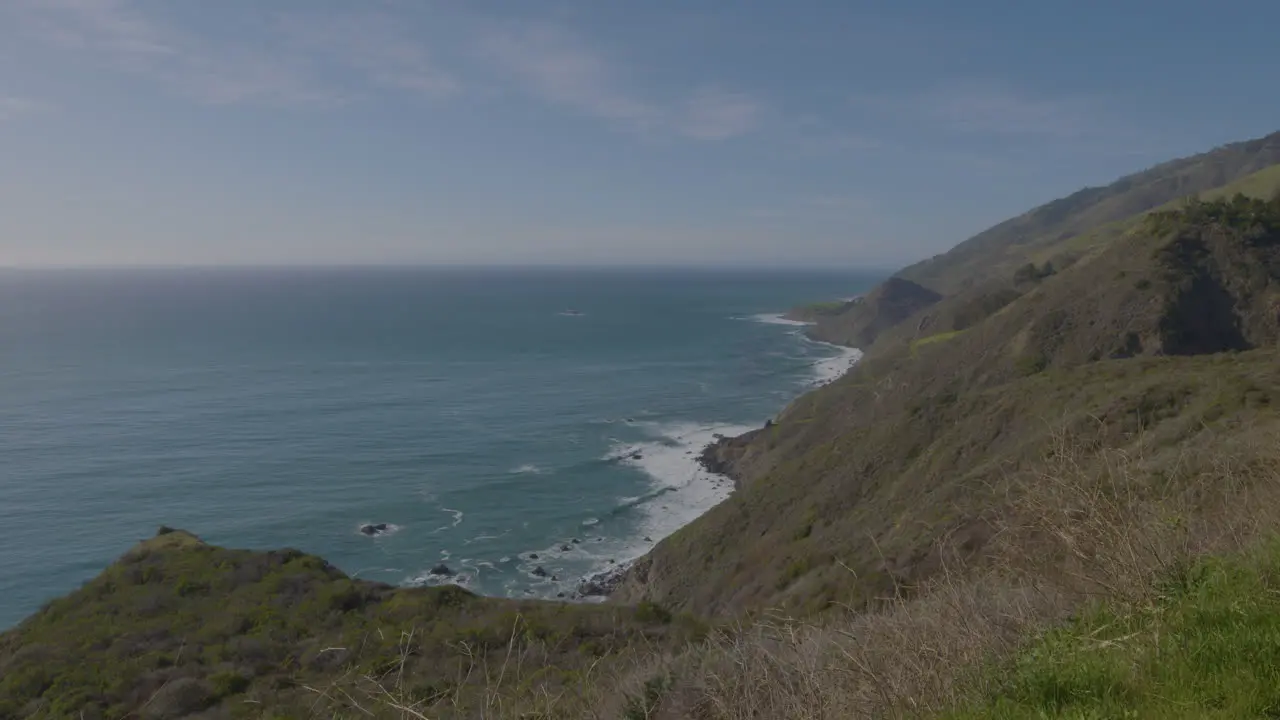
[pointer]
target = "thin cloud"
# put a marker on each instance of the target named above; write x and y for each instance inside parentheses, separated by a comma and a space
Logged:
(372, 45)
(554, 66)
(221, 73)
(557, 67)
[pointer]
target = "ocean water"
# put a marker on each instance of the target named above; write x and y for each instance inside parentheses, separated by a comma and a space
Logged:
(470, 410)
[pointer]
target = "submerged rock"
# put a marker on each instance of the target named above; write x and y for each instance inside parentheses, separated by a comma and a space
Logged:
(566, 548)
(539, 572)
(442, 570)
(372, 530)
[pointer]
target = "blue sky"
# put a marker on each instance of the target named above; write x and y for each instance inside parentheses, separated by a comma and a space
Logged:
(593, 132)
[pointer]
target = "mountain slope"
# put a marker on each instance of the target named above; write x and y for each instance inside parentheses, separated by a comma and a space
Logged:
(968, 306)
(1169, 334)
(997, 251)
(858, 322)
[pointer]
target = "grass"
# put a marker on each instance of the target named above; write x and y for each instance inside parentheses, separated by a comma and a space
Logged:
(178, 626)
(1206, 646)
(1116, 580)
(932, 339)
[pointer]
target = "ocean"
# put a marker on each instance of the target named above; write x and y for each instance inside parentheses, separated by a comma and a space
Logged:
(482, 415)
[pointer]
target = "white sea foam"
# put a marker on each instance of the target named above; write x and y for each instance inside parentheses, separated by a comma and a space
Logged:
(457, 515)
(527, 469)
(681, 488)
(776, 319)
(830, 369)
(426, 578)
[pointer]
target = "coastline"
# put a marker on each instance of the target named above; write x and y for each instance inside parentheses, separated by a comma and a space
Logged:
(712, 459)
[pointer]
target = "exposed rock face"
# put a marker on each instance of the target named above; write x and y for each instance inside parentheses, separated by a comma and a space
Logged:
(601, 584)
(720, 456)
(442, 570)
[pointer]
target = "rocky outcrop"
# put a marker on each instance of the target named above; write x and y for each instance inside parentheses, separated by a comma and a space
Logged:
(719, 457)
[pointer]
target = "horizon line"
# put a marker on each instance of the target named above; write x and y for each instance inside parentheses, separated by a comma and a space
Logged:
(453, 266)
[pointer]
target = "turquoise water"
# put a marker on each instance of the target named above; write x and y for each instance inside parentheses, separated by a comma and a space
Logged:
(466, 409)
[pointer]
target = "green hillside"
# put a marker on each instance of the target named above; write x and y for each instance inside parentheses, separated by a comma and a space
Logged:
(177, 627)
(1051, 488)
(996, 252)
(1168, 334)
(956, 312)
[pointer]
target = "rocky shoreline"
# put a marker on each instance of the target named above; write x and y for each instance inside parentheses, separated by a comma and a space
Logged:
(723, 457)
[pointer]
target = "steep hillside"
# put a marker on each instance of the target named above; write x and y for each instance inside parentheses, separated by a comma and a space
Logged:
(997, 251)
(178, 628)
(1170, 334)
(966, 307)
(859, 322)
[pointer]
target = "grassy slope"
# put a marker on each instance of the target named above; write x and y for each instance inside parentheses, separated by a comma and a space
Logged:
(847, 495)
(997, 251)
(1206, 645)
(858, 323)
(972, 304)
(178, 626)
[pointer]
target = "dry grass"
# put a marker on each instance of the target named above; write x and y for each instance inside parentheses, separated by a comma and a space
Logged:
(1091, 524)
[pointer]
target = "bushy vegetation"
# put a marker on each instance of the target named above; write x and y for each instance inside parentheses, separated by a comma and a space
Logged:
(178, 627)
(1240, 212)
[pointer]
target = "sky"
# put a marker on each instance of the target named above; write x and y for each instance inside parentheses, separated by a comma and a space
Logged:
(593, 132)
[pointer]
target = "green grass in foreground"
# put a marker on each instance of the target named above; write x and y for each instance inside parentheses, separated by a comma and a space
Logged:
(1208, 647)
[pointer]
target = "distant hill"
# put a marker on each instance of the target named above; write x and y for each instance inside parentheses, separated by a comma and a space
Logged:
(997, 251)
(859, 322)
